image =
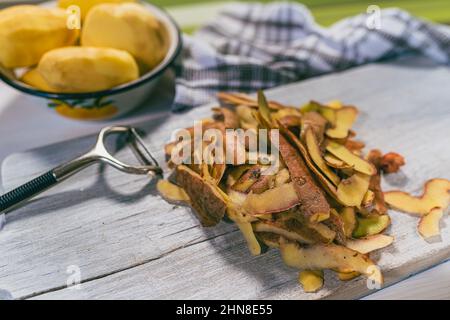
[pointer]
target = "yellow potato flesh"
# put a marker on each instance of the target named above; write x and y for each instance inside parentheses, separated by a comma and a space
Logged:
(344, 119)
(348, 276)
(329, 256)
(349, 217)
(315, 154)
(429, 224)
(328, 112)
(246, 229)
(351, 191)
(311, 280)
(436, 194)
(369, 244)
(249, 178)
(86, 5)
(246, 118)
(325, 233)
(277, 199)
(235, 173)
(334, 162)
(279, 114)
(335, 104)
(279, 230)
(28, 32)
(83, 69)
(312, 232)
(371, 225)
(171, 192)
(130, 27)
(282, 177)
(264, 110)
(368, 199)
(358, 164)
(244, 223)
(33, 78)
(269, 239)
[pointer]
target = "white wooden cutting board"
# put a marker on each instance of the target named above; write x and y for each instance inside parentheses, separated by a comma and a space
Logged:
(128, 243)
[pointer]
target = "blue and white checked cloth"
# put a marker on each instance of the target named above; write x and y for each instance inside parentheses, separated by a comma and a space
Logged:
(253, 46)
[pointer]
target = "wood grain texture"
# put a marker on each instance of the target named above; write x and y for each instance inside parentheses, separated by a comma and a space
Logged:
(131, 244)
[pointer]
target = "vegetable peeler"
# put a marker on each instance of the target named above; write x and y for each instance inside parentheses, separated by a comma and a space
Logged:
(99, 153)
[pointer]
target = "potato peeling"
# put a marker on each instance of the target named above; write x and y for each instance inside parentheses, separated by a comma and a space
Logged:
(328, 257)
(343, 276)
(436, 194)
(311, 280)
(172, 192)
(344, 119)
(370, 243)
(367, 226)
(430, 206)
(429, 224)
(321, 205)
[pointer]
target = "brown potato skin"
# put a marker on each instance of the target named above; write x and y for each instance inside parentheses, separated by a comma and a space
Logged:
(391, 162)
(317, 122)
(227, 116)
(312, 199)
(336, 224)
(248, 179)
(306, 231)
(205, 200)
(375, 156)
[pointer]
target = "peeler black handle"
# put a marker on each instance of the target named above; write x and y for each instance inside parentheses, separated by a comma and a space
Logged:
(20, 195)
(27, 191)
(99, 153)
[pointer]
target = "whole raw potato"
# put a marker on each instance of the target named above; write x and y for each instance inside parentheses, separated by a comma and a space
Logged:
(27, 32)
(127, 26)
(86, 5)
(33, 78)
(86, 69)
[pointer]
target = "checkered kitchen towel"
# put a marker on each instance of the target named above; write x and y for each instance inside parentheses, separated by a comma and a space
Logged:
(253, 46)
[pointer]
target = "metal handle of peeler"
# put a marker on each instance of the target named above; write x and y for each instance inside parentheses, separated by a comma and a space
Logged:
(98, 153)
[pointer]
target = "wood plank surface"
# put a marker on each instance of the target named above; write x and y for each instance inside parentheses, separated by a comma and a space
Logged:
(129, 243)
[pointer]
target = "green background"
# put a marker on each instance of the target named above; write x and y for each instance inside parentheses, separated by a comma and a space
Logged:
(326, 12)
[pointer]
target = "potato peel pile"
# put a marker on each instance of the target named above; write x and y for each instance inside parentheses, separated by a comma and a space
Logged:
(322, 205)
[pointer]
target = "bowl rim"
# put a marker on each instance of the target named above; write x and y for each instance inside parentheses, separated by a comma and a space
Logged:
(151, 75)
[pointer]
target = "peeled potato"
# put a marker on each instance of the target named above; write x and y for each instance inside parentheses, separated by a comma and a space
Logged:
(33, 78)
(28, 32)
(127, 26)
(86, 5)
(83, 69)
